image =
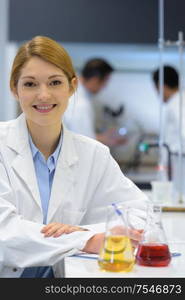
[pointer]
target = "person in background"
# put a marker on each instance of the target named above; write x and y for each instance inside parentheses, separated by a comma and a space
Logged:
(79, 117)
(53, 182)
(171, 98)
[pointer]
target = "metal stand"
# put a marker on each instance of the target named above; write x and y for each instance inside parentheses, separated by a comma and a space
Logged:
(180, 44)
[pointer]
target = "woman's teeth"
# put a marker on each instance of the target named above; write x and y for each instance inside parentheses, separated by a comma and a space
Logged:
(44, 107)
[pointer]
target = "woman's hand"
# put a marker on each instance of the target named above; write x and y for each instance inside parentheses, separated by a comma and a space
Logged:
(57, 229)
(94, 244)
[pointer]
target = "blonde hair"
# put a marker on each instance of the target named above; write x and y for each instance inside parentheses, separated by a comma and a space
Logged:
(46, 49)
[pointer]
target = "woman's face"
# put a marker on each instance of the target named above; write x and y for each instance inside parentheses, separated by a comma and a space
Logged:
(43, 91)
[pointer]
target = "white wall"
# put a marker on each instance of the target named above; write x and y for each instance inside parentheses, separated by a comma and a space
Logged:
(8, 103)
(11, 103)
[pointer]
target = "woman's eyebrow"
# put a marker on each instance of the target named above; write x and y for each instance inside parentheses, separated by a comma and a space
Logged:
(52, 76)
(56, 75)
(31, 77)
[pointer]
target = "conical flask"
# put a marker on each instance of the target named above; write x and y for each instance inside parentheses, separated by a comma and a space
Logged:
(153, 248)
(116, 254)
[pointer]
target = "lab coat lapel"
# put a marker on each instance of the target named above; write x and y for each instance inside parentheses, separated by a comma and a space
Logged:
(23, 162)
(64, 178)
(24, 167)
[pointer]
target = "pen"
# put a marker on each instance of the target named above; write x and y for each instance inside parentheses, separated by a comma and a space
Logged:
(175, 254)
(84, 256)
(118, 211)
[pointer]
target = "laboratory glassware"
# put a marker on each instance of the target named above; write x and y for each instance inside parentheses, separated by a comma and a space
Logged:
(116, 254)
(153, 248)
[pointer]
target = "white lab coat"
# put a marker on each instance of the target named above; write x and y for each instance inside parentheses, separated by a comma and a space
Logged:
(171, 138)
(86, 180)
(79, 116)
(171, 135)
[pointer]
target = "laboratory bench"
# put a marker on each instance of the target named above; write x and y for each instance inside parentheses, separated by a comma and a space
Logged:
(169, 206)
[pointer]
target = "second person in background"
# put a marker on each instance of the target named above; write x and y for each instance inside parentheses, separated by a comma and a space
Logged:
(79, 116)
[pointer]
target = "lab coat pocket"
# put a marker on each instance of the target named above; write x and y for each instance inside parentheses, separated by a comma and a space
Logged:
(72, 217)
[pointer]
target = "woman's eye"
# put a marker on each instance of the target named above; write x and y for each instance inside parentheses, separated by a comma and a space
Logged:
(29, 84)
(55, 82)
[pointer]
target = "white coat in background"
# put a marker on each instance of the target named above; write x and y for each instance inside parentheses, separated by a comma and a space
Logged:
(171, 138)
(171, 135)
(79, 116)
(86, 180)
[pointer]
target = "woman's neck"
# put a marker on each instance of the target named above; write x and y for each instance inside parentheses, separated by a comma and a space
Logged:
(45, 138)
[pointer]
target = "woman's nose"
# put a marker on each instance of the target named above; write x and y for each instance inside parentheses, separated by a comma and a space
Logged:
(43, 93)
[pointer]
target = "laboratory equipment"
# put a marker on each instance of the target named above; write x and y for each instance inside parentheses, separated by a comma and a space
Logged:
(164, 170)
(162, 192)
(116, 254)
(110, 119)
(162, 44)
(153, 250)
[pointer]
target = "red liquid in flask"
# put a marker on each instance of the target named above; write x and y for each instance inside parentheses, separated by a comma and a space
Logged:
(153, 255)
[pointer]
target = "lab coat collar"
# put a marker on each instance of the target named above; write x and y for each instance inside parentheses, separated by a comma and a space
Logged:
(18, 141)
(17, 138)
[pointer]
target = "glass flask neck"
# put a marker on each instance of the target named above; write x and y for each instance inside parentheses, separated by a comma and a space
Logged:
(154, 231)
(154, 216)
(116, 219)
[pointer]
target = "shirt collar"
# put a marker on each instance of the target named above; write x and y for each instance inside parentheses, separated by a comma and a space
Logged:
(54, 155)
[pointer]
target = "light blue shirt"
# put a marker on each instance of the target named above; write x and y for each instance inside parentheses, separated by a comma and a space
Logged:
(45, 170)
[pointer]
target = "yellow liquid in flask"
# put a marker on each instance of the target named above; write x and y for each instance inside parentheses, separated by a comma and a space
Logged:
(116, 254)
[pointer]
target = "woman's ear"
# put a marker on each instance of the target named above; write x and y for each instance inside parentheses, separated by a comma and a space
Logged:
(14, 92)
(73, 85)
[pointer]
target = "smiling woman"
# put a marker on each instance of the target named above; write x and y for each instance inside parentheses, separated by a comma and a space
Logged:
(43, 96)
(49, 175)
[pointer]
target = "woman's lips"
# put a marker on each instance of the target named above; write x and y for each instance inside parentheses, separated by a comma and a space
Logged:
(44, 108)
